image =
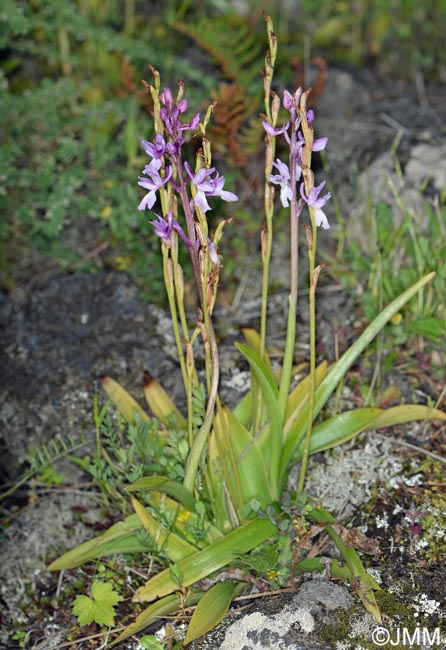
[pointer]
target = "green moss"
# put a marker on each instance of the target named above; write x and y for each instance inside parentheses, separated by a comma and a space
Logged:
(339, 629)
(393, 606)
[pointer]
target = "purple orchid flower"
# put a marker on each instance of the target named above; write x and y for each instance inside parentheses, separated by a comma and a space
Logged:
(156, 150)
(273, 131)
(318, 145)
(170, 114)
(283, 179)
(213, 253)
(218, 190)
(163, 229)
(207, 186)
(317, 203)
(291, 102)
(153, 183)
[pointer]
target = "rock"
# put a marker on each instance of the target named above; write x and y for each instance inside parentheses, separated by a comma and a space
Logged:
(427, 162)
(55, 343)
(384, 182)
(282, 623)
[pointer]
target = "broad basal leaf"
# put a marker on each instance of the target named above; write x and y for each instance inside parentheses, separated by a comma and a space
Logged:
(270, 394)
(249, 463)
(339, 369)
(163, 607)
(211, 609)
(207, 561)
(123, 538)
(344, 426)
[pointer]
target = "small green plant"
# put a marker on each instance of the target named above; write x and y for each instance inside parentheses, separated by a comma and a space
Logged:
(41, 461)
(223, 503)
(100, 607)
(398, 256)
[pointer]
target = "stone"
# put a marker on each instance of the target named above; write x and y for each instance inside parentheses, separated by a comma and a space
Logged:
(281, 623)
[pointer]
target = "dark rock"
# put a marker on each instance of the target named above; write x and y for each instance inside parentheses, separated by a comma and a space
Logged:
(55, 342)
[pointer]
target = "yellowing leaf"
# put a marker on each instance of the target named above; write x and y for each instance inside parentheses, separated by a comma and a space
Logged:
(159, 401)
(202, 563)
(210, 610)
(164, 607)
(124, 402)
(100, 608)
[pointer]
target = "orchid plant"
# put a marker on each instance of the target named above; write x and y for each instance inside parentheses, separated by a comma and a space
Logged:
(238, 461)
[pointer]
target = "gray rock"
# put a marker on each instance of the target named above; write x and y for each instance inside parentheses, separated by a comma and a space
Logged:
(281, 623)
(427, 162)
(55, 342)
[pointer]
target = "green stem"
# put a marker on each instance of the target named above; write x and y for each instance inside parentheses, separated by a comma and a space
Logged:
(174, 314)
(199, 443)
(272, 110)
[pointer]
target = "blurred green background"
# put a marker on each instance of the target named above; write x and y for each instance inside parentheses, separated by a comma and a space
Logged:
(73, 107)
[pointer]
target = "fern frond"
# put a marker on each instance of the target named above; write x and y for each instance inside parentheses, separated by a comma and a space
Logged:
(232, 112)
(232, 46)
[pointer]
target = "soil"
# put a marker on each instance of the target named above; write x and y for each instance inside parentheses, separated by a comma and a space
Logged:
(59, 332)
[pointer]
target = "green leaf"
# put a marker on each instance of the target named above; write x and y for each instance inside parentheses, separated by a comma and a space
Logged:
(340, 428)
(344, 426)
(430, 327)
(163, 607)
(207, 561)
(250, 465)
(337, 571)
(366, 584)
(243, 410)
(162, 484)
(99, 608)
(210, 610)
(407, 413)
(122, 538)
(339, 369)
(252, 338)
(216, 481)
(270, 395)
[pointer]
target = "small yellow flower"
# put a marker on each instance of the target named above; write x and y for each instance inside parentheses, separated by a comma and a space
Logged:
(397, 318)
(183, 516)
(106, 212)
(122, 263)
(273, 574)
